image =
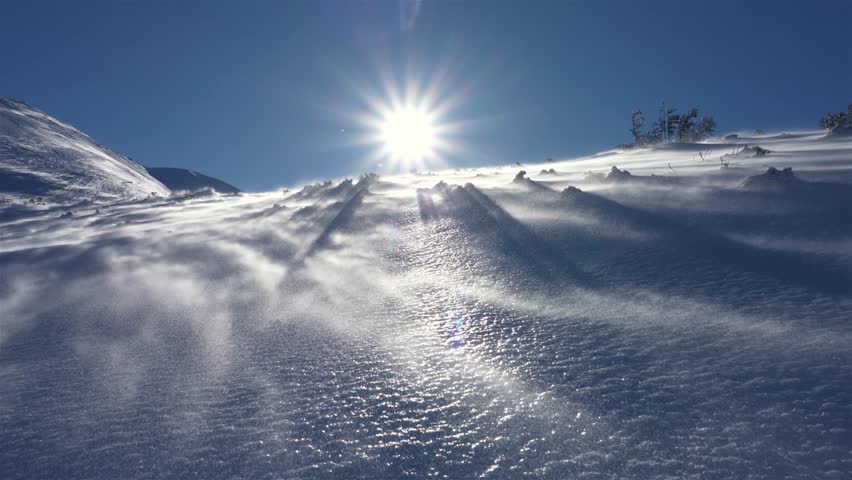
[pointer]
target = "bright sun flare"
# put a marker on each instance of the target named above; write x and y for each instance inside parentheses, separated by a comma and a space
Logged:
(408, 134)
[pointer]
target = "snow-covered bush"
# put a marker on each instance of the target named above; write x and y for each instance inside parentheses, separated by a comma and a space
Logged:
(771, 179)
(671, 126)
(368, 177)
(838, 122)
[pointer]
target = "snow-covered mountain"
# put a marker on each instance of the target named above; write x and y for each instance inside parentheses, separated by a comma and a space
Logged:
(44, 163)
(683, 315)
(184, 180)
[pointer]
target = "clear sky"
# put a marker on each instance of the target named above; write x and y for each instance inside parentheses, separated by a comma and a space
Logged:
(270, 93)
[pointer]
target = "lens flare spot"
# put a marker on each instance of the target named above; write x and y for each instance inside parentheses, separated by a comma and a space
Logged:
(455, 325)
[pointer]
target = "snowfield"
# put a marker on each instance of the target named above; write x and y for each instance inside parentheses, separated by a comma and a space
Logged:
(665, 319)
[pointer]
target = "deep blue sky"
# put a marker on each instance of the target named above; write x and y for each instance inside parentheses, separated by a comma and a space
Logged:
(262, 93)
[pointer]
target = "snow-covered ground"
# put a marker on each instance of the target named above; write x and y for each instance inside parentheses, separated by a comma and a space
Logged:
(678, 322)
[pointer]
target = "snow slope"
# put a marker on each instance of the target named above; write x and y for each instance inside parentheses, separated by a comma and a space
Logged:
(676, 321)
(183, 180)
(44, 163)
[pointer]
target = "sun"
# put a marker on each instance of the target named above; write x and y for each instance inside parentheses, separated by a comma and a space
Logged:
(408, 134)
(409, 125)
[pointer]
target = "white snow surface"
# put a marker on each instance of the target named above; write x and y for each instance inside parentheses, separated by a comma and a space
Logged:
(46, 163)
(679, 325)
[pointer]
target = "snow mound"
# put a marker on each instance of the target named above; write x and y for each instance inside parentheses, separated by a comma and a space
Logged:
(618, 175)
(311, 190)
(44, 162)
(772, 179)
(755, 151)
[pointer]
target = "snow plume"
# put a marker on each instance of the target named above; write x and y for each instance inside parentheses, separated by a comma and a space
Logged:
(463, 323)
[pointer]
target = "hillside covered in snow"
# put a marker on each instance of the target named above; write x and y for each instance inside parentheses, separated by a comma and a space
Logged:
(680, 311)
(46, 163)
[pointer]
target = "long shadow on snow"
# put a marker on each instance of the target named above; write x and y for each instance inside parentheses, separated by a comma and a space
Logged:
(797, 269)
(650, 261)
(804, 209)
(340, 220)
(324, 214)
(479, 214)
(679, 409)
